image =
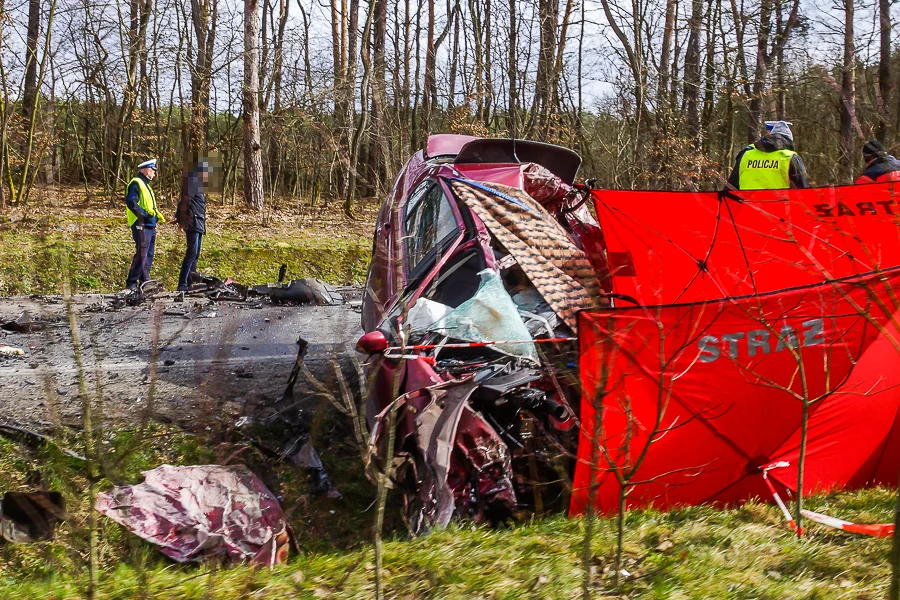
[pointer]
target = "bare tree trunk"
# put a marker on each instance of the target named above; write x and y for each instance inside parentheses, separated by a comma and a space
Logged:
(885, 84)
(4, 113)
(454, 57)
(512, 72)
(429, 72)
(130, 93)
(487, 65)
(429, 97)
(755, 117)
(544, 93)
(714, 15)
(26, 180)
(478, 37)
(780, 91)
(848, 94)
(360, 131)
(30, 86)
(663, 106)
(692, 75)
(203, 19)
(378, 145)
(253, 172)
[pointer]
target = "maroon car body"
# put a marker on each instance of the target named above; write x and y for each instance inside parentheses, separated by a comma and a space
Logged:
(480, 433)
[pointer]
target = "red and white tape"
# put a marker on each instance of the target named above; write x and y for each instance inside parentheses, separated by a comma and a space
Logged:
(874, 530)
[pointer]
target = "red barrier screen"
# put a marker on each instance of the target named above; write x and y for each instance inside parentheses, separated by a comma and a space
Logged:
(668, 247)
(741, 319)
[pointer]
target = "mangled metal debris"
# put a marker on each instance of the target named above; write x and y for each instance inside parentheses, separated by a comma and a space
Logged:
(149, 290)
(498, 259)
(202, 513)
(25, 323)
(294, 443)
(297, 292)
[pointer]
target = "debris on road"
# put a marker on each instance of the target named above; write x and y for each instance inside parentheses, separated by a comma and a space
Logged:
(297, 448)
(202, 512)
(304, 291)
(149, 290)
(24, 323)
(11, 351)
(216, 289)
(27, 517)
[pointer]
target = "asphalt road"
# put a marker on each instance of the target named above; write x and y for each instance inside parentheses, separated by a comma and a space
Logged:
(204, 367)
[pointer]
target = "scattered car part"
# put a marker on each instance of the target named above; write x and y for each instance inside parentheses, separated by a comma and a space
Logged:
(304, 291)
(31, 516)
(24, 323)
(297, 446)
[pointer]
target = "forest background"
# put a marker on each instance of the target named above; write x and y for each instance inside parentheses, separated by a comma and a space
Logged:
(325, 99)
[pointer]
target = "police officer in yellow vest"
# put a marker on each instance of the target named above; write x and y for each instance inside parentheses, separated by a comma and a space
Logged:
(770, 163)
(143, 214)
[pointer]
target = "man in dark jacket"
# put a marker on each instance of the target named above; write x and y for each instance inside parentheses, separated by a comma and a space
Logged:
(191, 216)
(770, 163)
(880, 166)
(142, 214)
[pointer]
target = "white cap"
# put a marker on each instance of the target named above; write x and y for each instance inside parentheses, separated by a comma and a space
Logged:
(780, 127)
(147, 164)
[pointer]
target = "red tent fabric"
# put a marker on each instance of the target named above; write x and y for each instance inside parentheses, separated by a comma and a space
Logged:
(667, 247)
(715, 290)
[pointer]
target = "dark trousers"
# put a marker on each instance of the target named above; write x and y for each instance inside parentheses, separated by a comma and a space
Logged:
(191, 254)
(144, 249)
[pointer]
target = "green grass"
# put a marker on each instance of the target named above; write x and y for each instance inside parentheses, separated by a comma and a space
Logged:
(248, 247)
(700, 552)
(101, 253)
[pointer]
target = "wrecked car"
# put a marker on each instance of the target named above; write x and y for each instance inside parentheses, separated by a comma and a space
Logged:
(484, 251)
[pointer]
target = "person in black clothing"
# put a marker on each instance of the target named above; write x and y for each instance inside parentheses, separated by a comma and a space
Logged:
(191, 217)
(880, 166)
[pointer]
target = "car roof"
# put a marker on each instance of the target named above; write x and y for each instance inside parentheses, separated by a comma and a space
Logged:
(445, 145)
(466, 149)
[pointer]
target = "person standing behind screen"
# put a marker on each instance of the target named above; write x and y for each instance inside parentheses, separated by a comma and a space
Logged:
(880, 166)
(770, 163)
(191, 216)
(143, 215)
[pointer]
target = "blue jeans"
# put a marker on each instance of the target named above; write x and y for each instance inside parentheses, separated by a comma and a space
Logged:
(144, 249)
(191, 254)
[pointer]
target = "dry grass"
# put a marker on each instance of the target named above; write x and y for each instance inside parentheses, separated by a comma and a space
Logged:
(314, 241)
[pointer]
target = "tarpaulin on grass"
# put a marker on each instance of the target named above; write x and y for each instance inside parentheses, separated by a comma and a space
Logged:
(202, 512)
(738, 318)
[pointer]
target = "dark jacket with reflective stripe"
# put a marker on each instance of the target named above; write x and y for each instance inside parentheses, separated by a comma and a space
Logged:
(883, 168)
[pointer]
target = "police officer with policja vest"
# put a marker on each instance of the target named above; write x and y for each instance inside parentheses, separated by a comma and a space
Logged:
(771, 163)
(143, 214)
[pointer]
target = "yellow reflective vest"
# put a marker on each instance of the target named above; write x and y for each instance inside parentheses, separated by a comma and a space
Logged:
(765, 170)
(146, 200)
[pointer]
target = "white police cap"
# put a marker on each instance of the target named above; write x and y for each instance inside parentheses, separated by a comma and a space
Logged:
(147, 164)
